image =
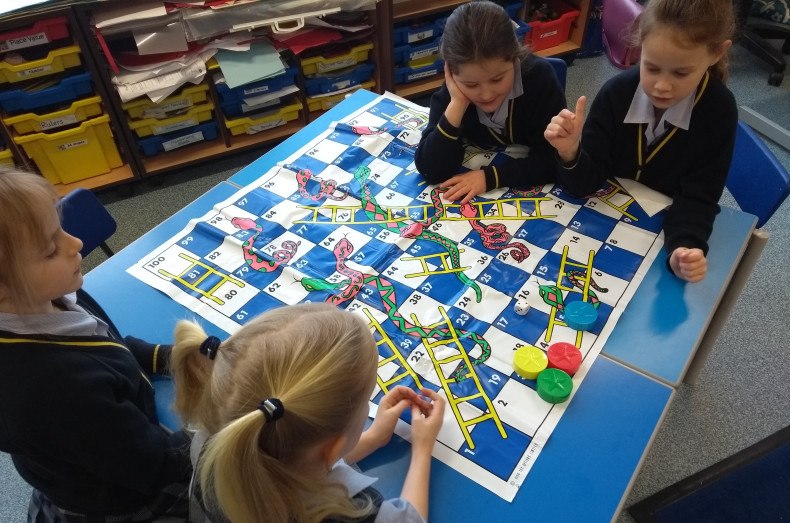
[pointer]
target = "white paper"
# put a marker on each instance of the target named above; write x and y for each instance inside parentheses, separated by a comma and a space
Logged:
(127, 13)
(651, 201)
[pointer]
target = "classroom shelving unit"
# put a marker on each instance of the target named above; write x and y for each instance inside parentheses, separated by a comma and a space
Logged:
(387, 16)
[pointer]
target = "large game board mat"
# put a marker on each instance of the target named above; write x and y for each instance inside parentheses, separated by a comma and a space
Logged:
(347, 219)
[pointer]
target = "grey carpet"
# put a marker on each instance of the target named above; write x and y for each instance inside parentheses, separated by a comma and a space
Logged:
(740, 396)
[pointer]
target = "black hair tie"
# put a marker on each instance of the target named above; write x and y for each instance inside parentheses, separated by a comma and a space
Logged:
(272, 408)
(210, 347)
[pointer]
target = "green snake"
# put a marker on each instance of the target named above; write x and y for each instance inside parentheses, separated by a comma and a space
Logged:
(255, 262)
(356, 280)
(415, 229)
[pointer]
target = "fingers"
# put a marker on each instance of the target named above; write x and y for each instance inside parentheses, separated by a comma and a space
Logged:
(581, 104)
(689, 264)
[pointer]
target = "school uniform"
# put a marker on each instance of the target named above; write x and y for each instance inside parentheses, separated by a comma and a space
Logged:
(687, 160)
(534, 99)
(78, 417)
(359, 486)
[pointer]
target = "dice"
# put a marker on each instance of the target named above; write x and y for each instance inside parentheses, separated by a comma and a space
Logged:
(522, 307)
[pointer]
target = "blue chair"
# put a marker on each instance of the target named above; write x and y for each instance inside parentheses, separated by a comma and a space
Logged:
(84, 216)
(560, 69)
(757, 181)
(759, 184)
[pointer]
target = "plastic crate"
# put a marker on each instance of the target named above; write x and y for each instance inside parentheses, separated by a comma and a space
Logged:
(413, 32)
(154, 145)
(343, 79)
(153, 126)
(513, 9)
(73, 154)
(6, 158)
(77, 112)
(325, 64)
(411, 52)
(267, 85)
(41, 32)
(187, 97)
(543, 35)
(419, 69)
(57, 60)
(66, 90)
(324, 103)
(264, 121)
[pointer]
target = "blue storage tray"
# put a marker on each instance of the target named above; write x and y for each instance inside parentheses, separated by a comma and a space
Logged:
(154, 145)
(408, 74)
(522, 30)
(407, 53)
(330, 82)
(234, 108)
(410, 33)
(513, 8)
(275, 83)
(14, 101)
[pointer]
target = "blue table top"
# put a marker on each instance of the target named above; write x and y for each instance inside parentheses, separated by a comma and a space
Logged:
(586, 468)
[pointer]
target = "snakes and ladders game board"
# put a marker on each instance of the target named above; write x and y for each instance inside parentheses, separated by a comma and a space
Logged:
(347, 219)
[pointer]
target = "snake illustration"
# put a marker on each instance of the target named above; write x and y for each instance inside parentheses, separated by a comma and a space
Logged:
(415, 229)
(348, 289)
(255, 262)
(495, 235)
(577, 279)
(326, 190)
(528, 193)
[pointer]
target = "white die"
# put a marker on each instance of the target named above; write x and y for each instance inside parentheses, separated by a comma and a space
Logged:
(522, 307)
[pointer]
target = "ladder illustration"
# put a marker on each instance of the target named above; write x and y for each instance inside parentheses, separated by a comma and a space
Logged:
(385, 341)
(614, 190)
(447, 268)
(193, 285)
(587, 270)
(489, 413)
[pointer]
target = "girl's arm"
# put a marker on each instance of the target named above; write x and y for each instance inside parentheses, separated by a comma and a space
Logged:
(425, 425)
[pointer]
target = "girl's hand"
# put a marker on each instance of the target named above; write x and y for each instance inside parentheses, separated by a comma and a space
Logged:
(565, 130)
(390, 407)
(426, 420)
(458, 100)
(465, 186)
(688, 264)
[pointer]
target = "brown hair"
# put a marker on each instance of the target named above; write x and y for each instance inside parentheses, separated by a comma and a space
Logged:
(479, 30)
(23, 196)
(698, 22)
(320, 362)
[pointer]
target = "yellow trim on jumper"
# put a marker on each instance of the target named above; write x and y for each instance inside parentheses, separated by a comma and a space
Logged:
(156, 351)
(68, 343)
(496, 137)
(510, 119)
(641, 132)
(496, 177)
(444, 133)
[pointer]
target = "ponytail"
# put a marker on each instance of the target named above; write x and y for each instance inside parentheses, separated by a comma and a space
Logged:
(190, 369)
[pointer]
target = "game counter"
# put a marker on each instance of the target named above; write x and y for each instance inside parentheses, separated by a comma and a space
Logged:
(591, 447)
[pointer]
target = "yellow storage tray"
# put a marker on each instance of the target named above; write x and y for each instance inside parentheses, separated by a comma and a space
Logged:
(152, 126)
(57, 60)
(324, 103)
(74, 154)
(77, 112)
(265, 121)
(6, 158)
(324, 64)
(187, 97)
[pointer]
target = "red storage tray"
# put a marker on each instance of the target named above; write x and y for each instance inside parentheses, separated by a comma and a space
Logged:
(41, 32)
(554, 32)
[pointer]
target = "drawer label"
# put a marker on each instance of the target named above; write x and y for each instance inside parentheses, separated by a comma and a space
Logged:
(25, 41)
(422, 74)
(340, 63)
(160, 111)
(549, 33)
(263, 126)
(54, 123)
(422, 35)
(33, 71)
(164, 129)
(181, 141)
(425, 52)
(72, 145)
(261, 89)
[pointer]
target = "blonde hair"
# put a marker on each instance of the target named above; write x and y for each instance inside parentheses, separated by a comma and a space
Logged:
(23, 197)
(320, 362)
(698, 22)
